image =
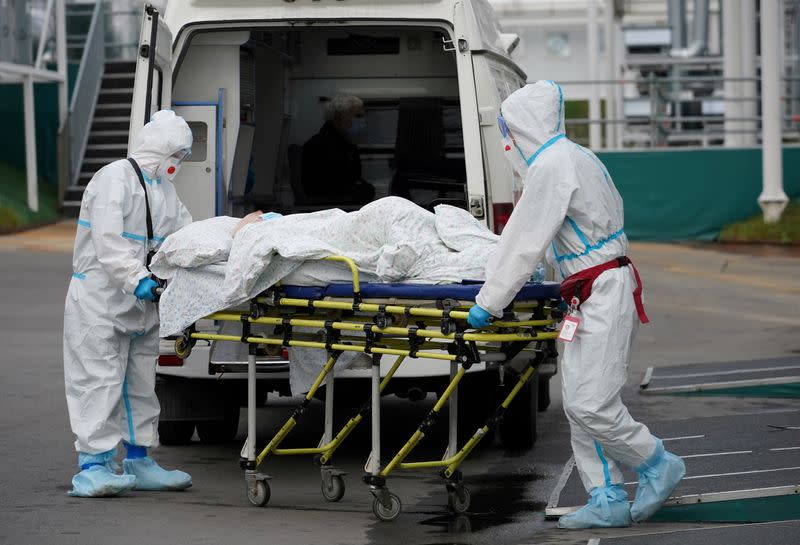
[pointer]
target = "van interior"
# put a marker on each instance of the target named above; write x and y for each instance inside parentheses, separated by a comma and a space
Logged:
(405, 76)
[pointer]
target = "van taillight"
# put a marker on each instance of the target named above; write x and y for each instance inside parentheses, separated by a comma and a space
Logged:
(285, 353)
(501, 212)
(169, 360)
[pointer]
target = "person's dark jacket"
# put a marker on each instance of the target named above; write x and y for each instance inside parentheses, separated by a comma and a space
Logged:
(332, 168)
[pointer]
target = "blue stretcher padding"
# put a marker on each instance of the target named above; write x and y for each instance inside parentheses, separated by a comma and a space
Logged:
(465, 291)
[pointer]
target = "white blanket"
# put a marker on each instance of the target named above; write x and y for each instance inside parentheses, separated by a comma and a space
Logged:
(390, 240)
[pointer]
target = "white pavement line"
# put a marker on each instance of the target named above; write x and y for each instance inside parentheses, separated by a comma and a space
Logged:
(683, 438)
(555, 496)
(778, 449)
(733, 474)
(734, 372)
(716, 454)
(593, 541)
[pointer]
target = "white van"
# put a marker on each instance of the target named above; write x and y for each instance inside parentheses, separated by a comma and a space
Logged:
(251, 78)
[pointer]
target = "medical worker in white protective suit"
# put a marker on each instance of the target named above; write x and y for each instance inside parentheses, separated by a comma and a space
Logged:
(571, 212)
(111, 320)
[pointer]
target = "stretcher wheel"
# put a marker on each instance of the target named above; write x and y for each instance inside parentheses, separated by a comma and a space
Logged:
(258, 493)
(183, 347)
(335, 491)
(458, 499)
(384, 514)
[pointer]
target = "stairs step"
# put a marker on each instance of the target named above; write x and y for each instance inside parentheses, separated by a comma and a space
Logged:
(71, 209)
(108, 137)
(127, 67)
(115, 124)
(73, 195)
(117, 81)
(118, 151)
(115, 95)
(112, 110)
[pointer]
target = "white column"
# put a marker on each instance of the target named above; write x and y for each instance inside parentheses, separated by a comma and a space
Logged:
(611, 75)
(29, 110)
(61, 57)
(772, 200)
(594, 95)
(747, 49)
(732, 68)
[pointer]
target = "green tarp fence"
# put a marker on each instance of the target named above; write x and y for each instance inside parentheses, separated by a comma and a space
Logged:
(12, 137)
(692, 194)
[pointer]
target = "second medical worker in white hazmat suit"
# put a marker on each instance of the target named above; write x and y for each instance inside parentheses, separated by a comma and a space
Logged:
(571, 211)
(110, 319)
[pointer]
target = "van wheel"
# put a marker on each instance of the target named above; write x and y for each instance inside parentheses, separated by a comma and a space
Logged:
(221, 431)
(543, 400)
(176, 432)
(474, 404)
(518, 428)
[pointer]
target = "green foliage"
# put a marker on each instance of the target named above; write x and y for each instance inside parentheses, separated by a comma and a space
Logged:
(14, 211)
(786, 231)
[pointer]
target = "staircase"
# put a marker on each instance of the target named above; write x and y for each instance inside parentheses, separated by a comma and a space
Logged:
(108, 137)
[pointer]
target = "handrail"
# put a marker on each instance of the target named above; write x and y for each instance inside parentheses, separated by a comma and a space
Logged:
(87, 88)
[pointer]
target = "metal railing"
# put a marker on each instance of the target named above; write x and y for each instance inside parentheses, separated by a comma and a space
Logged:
(86, 91)
(680, 111)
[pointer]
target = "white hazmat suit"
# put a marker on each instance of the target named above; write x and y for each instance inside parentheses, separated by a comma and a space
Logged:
(571, 212)
(110, 335)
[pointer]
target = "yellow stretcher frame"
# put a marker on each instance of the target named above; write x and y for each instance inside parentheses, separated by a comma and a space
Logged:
(381, 338)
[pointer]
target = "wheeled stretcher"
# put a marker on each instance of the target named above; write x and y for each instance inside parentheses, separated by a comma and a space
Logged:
(396, 320)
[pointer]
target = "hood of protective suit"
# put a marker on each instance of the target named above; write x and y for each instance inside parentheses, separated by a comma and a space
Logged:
(535, 114)
(165, 134)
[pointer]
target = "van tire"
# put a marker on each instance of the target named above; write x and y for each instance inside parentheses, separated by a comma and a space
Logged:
(543, 396)
(474, 406)
(176, 432)
(518, 428)
(221, 431)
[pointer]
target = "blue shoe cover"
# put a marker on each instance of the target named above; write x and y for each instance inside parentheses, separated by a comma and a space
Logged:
(98, 481)
(658, 477)
(151, 476)
(607, 508)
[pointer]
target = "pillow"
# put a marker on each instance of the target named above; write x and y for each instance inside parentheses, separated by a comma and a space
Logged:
(459, 229)
(199, 243)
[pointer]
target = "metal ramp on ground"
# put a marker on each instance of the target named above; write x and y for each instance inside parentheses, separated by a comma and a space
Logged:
(767, 378)
(741, 468)
(780, 533)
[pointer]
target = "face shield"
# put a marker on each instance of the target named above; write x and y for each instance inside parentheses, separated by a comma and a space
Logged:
(513, 154)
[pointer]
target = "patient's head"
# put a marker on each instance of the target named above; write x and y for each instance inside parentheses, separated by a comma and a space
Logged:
(346, 113)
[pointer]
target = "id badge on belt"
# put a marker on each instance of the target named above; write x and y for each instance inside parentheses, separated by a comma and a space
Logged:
(569, 327)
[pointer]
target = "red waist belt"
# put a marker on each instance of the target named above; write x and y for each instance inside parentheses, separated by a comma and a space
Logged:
(580, 284)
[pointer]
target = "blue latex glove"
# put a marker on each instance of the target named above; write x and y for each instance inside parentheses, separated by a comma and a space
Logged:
(145, 289)
(478, 317)
(270, 215)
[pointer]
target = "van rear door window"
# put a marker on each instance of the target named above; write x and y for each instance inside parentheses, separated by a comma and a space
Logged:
(361, 44)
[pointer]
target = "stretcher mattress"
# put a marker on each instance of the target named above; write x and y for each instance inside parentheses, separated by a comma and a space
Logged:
(465, 291)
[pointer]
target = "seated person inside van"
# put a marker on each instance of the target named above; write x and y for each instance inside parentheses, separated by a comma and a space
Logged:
(331, 161)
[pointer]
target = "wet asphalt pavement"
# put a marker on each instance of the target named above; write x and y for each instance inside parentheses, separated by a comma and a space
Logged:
(705, 306)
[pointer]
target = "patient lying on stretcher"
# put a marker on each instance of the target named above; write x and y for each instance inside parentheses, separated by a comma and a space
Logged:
(390, 240)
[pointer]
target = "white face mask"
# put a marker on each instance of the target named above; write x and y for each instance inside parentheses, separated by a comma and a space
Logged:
(169, 168)
(513, 154)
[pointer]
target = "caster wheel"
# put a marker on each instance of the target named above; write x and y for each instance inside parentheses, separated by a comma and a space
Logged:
(384, 514)
(183, 347)
(258, 493)
(458, 499)
(335, 491)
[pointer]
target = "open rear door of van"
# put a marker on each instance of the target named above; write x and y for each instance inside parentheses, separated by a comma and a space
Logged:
(152, 88)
